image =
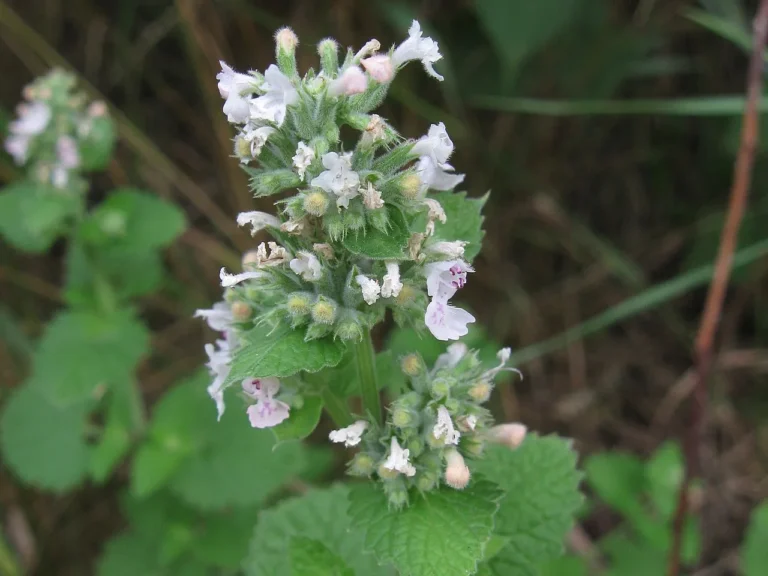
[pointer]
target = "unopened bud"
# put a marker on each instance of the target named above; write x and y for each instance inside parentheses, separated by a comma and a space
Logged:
(316, 203)
(480, 391)
(324, 311)
(243, 149)
(510, 435)
(452, 405)
(328, 50)
(361, 465)
(456, 472)
(410, 186)
(354, 220)
(298, 303)
(285, 51)
(427, 481)
(441, 387)
(387, 474)
(415, 446)
(412, 365)
(403, 417)
(473, 445)
(316, 331)
(397, 494)
(97, 109)
(352, 81)
(380, 68)
(349, 330)
(241, 311)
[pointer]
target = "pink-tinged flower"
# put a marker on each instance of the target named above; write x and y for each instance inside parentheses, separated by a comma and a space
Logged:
(351, 435)
(510, 435)
(352, 81)
(66, 152)
(380, 68)
(445, 321)
(445, 278)
(418, 48)
(280, 93)
(456, 472)
(33, 119)
(267, 412)
(398, 459)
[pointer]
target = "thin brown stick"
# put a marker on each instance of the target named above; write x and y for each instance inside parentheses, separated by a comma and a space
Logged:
(714, 304)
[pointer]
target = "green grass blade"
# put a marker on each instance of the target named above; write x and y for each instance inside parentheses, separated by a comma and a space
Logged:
(724, 28)
(643, 302)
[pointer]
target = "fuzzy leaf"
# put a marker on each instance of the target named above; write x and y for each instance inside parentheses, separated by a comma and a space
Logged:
(282, 352)
(312, 558)
(82, 350)
(754, 553)
(320, 515)
(378, 245)
(541, 483)
(464, 221)
(32, 215)
(43, 443)
(442, 533)
(302, 422)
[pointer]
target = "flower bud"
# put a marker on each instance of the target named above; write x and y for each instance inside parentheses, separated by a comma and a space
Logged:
(404, 417)
(362, 464)
(380, 68)
(427, 481)
(387, 474)
(379, 219)
(510, 435)
(324, 311)
(456, 472)
(473, 445)
(412, 365)
(410, 186)
(349, 329)
(243, 149)
(241, 311)
(328, 50)
(480, 391)
(397, 494)
(316, 203)
(316, 331)
(285, 51)
(411, 400)
(415, 446)
(354, 220)
(352, 81)
(298, 303)
(441, 387)
(452, 405)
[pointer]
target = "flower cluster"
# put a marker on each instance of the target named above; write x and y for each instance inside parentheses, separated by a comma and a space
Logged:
(433, 427)
(54, 126)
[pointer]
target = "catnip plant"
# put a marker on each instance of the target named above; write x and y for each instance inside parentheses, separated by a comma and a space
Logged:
(367, 222)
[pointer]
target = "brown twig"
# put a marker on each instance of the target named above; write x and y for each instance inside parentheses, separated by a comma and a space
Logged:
(714, 304)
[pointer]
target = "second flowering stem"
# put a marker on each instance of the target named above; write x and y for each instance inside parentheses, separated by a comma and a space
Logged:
(365, 359)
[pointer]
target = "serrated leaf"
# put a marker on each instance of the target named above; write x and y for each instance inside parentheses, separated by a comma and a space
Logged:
(754, 552)
(82, 350)
(133, 220)
(541, 483)
(442, 533)
(464, 221)
(43, 444)
(378, 245)
(282, 352)
(227, 463)
(302, 422)
(320, 515)
(32, 215)
(312, 558)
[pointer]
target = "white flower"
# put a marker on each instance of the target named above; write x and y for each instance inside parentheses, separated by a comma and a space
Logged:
(444, 429)
(219, 318)
(398, 459)
(452, 250)
(338, 178)
(371, 197)
(391, 284)
(228, 279)
(257, 220)
(435, 210)
(418, 48)
(307, 266)
(219, 357)
(293, 226)
(257, 137)
(380, 68)
(503, 355)
(235, 88)
(350, 435)
(277, 255)
(280, 93)
(446, 277)
(267, 412)
(370, 288)
(451, 357)
(436, 144)
(67, 158)
(445, 321)
(437, 176)
(470, 421)
(33, 119)
(456, 472)
(352, 81)
(303, 158)
(375, 131)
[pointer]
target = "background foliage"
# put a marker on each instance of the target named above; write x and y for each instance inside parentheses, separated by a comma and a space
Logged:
(606, 131)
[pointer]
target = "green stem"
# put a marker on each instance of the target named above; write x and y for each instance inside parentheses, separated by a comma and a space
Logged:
(365, 358)
(336, 407)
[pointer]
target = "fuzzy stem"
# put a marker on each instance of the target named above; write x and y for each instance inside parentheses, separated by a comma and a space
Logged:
(365, 358)
(336, 407)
